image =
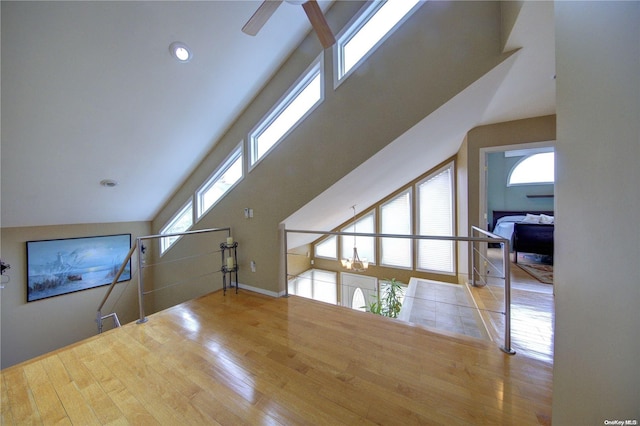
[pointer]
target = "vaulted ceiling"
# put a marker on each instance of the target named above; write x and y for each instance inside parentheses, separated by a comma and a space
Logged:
(90, 92)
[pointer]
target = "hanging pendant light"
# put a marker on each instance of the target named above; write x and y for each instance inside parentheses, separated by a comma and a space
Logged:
(354, 263)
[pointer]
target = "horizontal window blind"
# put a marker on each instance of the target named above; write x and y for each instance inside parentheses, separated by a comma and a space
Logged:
(325, 286)
(366, 245)
(395, 218)
(328, 248)
(435, 202)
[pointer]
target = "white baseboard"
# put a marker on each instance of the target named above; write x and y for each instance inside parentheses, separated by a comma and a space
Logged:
(261, 290)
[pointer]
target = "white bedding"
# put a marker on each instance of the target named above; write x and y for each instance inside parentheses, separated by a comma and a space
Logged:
(504, 226)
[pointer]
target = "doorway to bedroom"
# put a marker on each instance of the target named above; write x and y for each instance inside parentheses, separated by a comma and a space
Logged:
(515, 187)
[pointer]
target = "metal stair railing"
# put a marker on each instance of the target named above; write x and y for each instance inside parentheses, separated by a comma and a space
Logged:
(506, 270)
(487, 238)
(99, 316)
(136, 245)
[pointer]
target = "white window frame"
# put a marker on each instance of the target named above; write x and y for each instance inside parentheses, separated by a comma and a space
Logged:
(325, 240)
(310, 276)
(352, 29)
(451, 167)
(236, 154)
(406, 192)
(316, 69)
(166, 243)
(346, 247)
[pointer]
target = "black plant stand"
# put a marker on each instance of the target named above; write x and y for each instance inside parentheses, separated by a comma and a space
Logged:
(229, 251)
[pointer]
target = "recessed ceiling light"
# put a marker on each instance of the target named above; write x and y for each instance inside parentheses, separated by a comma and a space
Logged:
(108, 183)
(180, 51)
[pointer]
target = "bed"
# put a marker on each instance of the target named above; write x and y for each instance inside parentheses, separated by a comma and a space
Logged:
(528, 231)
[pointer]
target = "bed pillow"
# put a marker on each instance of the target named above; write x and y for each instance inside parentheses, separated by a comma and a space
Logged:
(546, 219)
(531, 218)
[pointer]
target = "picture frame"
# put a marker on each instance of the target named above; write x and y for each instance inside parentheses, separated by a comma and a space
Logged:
(62, 266)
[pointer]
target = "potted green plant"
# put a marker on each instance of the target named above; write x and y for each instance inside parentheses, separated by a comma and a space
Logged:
(389, 302)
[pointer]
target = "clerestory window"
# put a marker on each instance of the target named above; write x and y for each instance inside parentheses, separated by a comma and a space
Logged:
(220, 182)
(306, 94)
(368, 31)
(180, 222)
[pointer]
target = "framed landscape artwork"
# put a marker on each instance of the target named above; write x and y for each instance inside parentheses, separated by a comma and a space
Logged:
(56, 267)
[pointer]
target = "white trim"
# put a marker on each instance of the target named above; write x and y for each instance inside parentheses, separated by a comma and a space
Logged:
(316, 68)
(352, 28)
(451, 166)
(315, 248)
(412, 220)
(373, 261)
(528, 151)
(237, 152)
(346, 290)
(171, 222)
(259, 290)
(483, 168)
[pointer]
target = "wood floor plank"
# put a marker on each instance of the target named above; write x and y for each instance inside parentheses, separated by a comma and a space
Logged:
(251, 359)
(49, 405)
(102, 405)
(132, 409)
(20, 405)
(153, 390)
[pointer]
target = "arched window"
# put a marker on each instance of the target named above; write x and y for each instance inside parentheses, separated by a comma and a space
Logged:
(358, 303)
(533, 169)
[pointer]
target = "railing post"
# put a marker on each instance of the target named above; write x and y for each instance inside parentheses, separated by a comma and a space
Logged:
(99, 321)
(473, 259)
(286, 264)
(507, 299)
(143, 318)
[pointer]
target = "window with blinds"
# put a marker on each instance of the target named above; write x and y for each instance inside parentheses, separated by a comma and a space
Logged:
(395, 218)
(327, 248)
(366, 245)
(316, 284)
(435, 217)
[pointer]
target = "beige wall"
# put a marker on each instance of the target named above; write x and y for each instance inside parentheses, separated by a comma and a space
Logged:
(462, 209)
(398, 86)
(597, 333)
(525, 131)
(32, 329)
(537, 129)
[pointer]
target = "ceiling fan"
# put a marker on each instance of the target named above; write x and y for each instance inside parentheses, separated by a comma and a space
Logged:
(311, 8)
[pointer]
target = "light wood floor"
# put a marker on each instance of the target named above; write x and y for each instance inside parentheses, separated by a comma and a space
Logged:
(532, 311)
(252, 359)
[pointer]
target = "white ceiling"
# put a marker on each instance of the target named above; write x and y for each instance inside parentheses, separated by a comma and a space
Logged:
(90, 92)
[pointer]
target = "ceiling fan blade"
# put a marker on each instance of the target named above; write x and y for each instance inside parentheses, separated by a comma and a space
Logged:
(261, 16)
(319, 23)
